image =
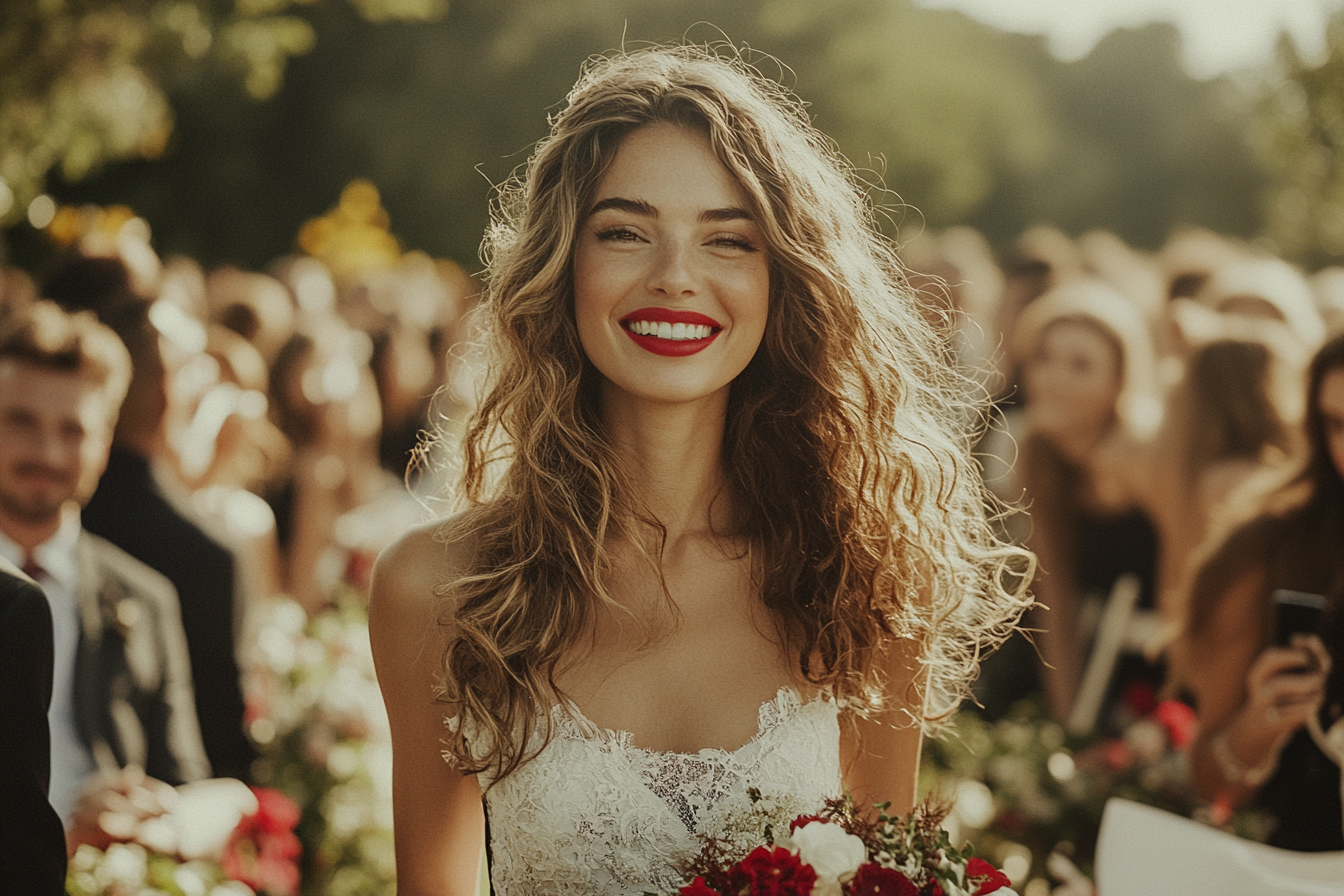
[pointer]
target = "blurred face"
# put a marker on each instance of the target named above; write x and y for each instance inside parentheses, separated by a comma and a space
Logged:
(1072, 379)
(671, 276)
(1331, 403)
(55, 432)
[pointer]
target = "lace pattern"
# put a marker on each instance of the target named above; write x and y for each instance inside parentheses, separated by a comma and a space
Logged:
(594, 814)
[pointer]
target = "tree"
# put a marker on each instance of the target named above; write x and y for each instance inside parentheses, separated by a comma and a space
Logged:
(82, 82)
(1302, 138)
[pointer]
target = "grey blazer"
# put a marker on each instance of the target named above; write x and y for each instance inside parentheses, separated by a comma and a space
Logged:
(133, 699)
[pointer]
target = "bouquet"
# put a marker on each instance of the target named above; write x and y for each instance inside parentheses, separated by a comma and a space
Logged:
(842, 852)
(218, 838)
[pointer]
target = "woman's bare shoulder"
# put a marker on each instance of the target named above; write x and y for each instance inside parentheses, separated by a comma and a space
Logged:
(411, 573)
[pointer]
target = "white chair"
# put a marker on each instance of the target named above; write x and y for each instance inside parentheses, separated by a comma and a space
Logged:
(1143, 851)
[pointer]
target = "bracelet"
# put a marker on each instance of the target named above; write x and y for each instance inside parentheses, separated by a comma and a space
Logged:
(1232, 769)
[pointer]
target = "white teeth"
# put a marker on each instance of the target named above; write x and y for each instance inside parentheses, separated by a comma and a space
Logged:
(664, 330)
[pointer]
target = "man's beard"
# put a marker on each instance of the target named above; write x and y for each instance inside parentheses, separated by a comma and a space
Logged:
(43, 507)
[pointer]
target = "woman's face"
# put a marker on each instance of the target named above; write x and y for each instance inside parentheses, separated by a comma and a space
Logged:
(1330, 402)
(671, 274)
(1072, 379)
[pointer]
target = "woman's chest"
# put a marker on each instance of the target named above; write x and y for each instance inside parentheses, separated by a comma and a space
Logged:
(684, 674)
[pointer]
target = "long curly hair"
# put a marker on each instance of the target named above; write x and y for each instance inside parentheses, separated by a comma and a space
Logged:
(844, 448)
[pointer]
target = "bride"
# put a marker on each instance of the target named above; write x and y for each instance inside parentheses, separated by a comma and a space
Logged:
(719, 506)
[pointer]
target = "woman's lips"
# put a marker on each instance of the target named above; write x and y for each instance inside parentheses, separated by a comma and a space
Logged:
(670, 333)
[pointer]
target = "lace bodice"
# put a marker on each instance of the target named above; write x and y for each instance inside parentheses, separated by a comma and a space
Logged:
(593, 814)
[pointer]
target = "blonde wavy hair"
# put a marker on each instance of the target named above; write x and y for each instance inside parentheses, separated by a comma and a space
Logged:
(846, 457)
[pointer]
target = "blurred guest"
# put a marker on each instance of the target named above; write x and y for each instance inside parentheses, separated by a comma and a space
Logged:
(255, 306)
(1191, 255)
(32, 842)
(325, 401)
(121, 696)
(227, 451)
(1254, 696)
(1042, 259)
(1224, 432)
(138, 509)
(1085, 354)
(1327, 285)
(1133, 274)
(1266, 288)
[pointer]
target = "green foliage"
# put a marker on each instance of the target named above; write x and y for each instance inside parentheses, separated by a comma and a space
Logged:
(82, 81)
(1302, 138)
(953, 121)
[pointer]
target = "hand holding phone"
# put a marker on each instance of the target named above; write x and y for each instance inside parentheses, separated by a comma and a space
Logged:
(1296, 613)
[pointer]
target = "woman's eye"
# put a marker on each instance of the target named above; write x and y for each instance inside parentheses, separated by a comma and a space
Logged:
(733, 241)
(618, 235)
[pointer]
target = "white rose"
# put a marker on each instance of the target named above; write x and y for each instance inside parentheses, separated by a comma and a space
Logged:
(832, 853)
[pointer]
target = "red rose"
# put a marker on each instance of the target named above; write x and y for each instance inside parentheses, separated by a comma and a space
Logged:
(802, 820)
(1179, 720)
(874, 880)
(771, 871)
(263, 850)
(993, 878)
(698, 887)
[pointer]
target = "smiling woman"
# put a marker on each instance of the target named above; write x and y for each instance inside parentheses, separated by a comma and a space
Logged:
(669, 227)
(718, 499)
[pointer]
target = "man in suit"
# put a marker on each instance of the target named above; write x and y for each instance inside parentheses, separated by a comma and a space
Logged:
(122, 706)
(132, 508)
(32, 843)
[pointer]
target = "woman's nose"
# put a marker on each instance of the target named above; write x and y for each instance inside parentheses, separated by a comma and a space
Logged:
(673, 271)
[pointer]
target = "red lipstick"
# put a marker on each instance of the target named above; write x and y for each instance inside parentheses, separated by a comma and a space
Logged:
(676, 348)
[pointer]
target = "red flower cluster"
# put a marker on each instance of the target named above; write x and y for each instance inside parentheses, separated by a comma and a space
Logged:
(775, 871)
(766, 871)
(992, 878)
(874, 880)
(263, 851)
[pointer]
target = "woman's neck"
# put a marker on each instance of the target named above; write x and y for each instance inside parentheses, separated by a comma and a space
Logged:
(674, 454)
(1077, 445)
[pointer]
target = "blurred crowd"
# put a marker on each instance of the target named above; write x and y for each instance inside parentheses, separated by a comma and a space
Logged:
(1169, 429)
(179, 448)
(1167, 436)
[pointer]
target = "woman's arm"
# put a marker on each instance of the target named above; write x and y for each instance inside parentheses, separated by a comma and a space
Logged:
(437, 811)
(1250, 701)
(882, 753)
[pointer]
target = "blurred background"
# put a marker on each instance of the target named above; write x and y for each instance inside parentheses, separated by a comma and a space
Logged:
(227, 123)
(1125, 217)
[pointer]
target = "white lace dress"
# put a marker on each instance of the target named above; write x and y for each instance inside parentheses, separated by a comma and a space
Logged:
(592, 814)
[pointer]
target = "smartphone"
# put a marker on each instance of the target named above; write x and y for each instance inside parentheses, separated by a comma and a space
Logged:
(1296, 612)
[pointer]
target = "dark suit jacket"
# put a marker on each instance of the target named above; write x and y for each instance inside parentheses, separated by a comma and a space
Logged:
(131, 511)
(132, 686)
(32, 843)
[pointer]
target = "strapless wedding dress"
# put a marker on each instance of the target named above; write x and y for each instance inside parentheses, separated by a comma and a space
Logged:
(592, 814)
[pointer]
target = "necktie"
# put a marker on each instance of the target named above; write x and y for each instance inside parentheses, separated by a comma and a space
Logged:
(32, 569)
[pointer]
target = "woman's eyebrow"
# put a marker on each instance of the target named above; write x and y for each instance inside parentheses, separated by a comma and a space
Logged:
(732, 213)
(634, 206)
(644, 209)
